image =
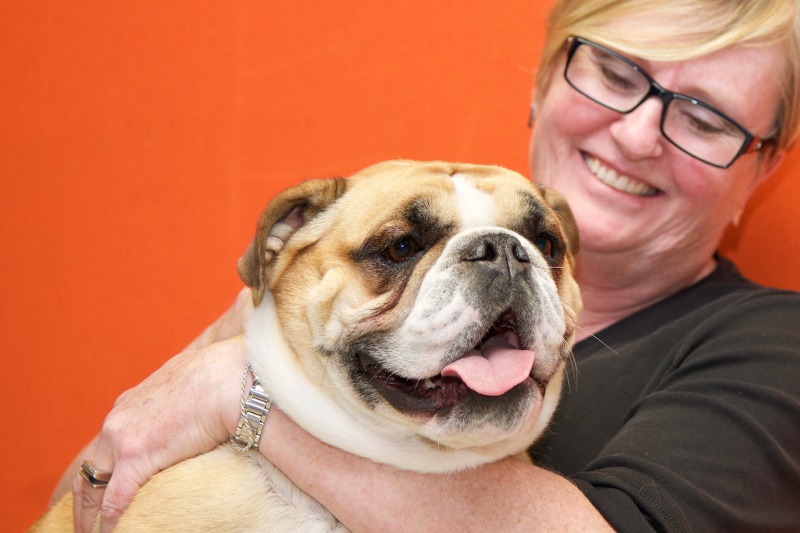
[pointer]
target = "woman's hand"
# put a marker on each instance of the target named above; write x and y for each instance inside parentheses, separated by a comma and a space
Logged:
(187, 407)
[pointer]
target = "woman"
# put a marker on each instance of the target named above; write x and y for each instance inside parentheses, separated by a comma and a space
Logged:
(657, 126)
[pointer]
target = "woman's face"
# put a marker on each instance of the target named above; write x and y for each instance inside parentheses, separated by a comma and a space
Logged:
(631, 190)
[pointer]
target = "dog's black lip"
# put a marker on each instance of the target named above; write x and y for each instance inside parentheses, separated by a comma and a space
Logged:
(416, 395)
(453, 394)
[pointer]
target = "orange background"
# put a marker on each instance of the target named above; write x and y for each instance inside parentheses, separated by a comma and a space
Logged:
(140, 140)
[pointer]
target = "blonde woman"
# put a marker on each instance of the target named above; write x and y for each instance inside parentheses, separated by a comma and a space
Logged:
(656, 120)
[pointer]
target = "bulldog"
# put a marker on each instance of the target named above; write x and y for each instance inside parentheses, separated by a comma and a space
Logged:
(417, 314)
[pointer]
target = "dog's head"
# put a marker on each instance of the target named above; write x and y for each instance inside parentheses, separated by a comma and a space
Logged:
(430, 302)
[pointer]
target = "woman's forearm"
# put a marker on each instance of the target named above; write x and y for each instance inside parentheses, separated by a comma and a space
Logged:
(504, 496)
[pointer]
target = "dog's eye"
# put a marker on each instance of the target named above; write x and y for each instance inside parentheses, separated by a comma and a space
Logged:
(401, 250)
(545, 244)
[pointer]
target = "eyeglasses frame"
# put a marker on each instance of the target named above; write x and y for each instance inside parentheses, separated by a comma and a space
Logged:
(751, 142)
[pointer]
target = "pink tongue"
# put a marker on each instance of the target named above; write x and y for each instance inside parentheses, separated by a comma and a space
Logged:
(498, 367)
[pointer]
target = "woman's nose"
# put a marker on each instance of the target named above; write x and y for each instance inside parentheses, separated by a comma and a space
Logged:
(638, 133)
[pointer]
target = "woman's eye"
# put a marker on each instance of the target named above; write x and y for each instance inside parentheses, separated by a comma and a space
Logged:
(401, 250)
(691, 119)
(618, 80)
(706, 124)
(545, 244)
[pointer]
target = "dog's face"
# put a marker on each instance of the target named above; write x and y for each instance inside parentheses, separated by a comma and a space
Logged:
(436, 298)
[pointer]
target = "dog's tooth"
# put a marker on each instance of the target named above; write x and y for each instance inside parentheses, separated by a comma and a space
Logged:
(428, 383)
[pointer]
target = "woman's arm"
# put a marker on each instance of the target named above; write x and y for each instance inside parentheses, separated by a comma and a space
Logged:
(187, 407)
(508, 495)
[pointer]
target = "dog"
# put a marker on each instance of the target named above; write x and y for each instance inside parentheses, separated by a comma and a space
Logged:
(417, 314)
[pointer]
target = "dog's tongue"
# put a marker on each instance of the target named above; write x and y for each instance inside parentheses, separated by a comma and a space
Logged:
(496, 368)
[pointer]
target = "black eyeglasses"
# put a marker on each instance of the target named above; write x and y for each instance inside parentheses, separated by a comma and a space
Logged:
(693, 126)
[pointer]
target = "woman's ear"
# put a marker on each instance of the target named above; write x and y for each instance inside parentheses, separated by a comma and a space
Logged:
(767, 167)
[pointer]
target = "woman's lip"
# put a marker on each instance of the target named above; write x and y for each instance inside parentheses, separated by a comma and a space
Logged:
(616, 181)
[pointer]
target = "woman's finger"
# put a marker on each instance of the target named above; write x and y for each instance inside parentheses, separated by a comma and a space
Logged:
(117, 497)
(88, 491)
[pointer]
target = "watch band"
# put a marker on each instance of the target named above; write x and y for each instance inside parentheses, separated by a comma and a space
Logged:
(255, 407)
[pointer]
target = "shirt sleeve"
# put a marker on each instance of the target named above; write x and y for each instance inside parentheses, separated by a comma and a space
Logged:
(714, 443)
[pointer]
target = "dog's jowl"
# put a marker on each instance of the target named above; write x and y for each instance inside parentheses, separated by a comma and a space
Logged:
(417, 314)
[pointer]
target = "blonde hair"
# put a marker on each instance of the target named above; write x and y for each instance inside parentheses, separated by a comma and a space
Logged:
(681, 30)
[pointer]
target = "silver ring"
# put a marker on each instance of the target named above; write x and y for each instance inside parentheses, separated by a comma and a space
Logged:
(97, 478)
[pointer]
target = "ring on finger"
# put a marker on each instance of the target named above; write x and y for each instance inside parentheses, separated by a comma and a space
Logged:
(97, 478)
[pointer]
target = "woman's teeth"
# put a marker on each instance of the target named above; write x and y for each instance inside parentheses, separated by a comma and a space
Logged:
(612, 179)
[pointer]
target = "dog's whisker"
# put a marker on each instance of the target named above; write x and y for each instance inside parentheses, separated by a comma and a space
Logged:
(573, 366)
(310, 269)
(374, 377)
(574, 363)
(598, 339)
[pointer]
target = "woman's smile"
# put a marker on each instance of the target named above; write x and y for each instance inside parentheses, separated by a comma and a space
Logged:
(617, 181)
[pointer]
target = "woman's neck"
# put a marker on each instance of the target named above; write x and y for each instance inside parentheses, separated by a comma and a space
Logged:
(613, 288)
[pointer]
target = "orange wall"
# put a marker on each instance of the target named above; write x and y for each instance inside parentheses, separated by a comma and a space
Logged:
(140, 140)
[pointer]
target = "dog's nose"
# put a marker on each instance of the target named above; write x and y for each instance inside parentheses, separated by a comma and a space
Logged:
(499, 249)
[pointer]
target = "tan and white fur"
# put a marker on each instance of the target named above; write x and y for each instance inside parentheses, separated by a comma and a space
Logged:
(416, 314)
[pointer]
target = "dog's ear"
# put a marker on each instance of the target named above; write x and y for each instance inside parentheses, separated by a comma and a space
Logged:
(281, 219)
(559, 204)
